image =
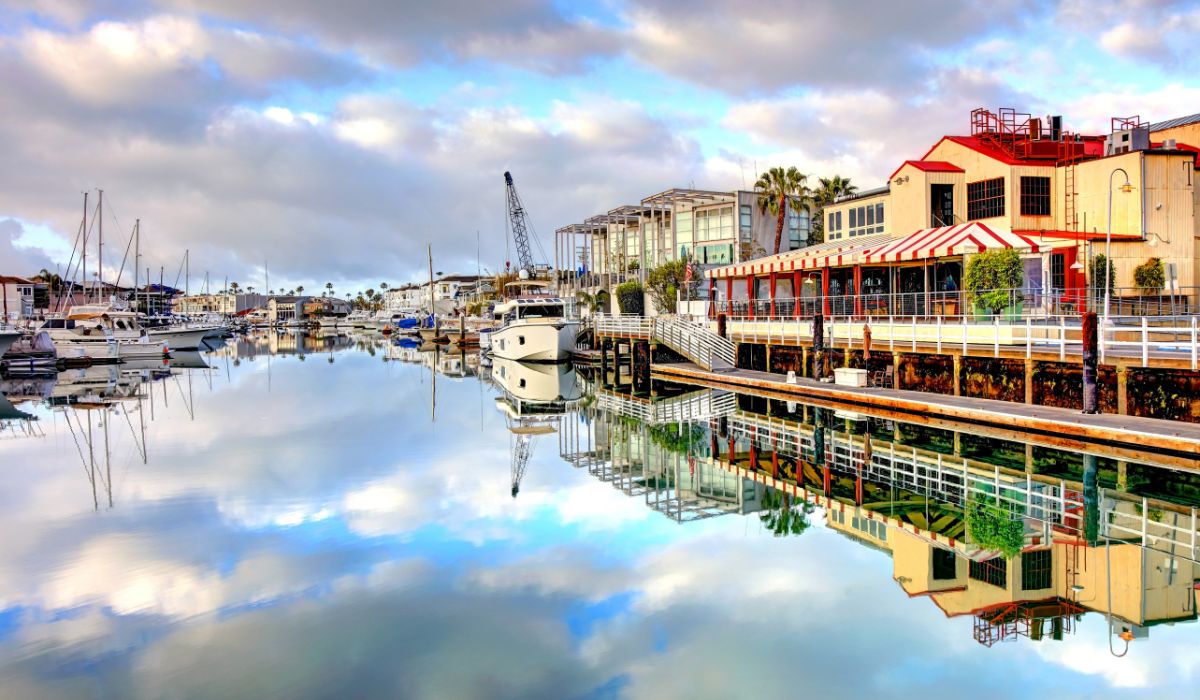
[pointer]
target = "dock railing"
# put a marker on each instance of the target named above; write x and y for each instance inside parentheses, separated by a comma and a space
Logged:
(689, 337)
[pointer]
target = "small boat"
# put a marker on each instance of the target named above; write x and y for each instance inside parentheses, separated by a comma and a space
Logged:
(7, 338)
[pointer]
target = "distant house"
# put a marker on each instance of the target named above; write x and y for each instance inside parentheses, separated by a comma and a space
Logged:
(286, 309)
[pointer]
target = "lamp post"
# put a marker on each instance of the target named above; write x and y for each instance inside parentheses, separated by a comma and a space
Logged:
(1127, 187)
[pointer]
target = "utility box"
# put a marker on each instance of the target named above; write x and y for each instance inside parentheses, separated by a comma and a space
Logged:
(846, 376)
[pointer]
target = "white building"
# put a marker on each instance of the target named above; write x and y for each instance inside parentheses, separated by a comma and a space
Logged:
(16, 298)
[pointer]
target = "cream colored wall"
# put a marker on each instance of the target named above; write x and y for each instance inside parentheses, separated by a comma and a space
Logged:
(1091, 199)
(845, 207)
(1187, 134)
(912, 564)
(1091, 572)
(910, 201)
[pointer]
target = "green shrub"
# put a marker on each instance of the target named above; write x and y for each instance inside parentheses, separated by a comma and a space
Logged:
(630, 297)
(1150, 276)
(664, 282)
(991, 275)
(1099, 263)
(991, 526)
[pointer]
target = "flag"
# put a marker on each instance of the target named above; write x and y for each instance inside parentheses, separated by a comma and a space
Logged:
(687, 275)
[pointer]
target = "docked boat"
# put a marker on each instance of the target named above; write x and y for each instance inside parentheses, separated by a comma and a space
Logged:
(7, 338)
(101, 332)
(533, 326)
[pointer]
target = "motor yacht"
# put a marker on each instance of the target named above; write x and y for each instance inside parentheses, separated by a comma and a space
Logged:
(533, 325)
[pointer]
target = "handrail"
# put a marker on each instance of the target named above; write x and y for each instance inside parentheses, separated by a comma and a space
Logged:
(693, 340)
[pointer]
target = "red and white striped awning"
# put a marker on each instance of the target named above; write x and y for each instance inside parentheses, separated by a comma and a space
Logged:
(830, 253)
(946, 241)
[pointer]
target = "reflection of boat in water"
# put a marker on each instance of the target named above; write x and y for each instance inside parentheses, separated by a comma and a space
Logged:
(189, 359)
(537, 382)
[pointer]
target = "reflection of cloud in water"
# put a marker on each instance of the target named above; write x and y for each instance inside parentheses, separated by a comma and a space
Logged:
(325, 536)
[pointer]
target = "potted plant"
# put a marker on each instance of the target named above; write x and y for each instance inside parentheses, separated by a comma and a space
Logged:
(1150, 276)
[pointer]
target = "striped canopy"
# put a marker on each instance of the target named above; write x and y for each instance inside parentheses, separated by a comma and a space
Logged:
(946, 241)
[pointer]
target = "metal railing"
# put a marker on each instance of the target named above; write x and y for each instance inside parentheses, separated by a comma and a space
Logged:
(692, 339)
(1005, 303)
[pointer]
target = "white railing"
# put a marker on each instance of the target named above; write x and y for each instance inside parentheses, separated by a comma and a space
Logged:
(693, 340)
(1137, 338)
(1169, 532)
(696, 406)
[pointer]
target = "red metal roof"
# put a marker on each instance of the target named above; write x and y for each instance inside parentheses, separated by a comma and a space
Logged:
(929, 166)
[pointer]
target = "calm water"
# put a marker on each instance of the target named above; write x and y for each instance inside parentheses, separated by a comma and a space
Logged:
(290, 517)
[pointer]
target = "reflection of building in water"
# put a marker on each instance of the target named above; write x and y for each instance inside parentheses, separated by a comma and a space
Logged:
(1073, 546)
(658, 451)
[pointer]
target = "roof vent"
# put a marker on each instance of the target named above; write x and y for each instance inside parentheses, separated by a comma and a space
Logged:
(1170, 144)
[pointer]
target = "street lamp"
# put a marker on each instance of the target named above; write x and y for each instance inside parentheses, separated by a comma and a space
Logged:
(1127, 187)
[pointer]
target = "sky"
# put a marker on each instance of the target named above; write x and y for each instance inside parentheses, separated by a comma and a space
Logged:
(332, 142)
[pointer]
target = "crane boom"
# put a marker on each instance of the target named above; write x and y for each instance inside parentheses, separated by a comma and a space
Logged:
(520, 229)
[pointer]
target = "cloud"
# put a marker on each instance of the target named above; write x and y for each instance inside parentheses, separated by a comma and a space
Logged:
(866, 132)
(18, 259)
(767, 45)
(1156, 32)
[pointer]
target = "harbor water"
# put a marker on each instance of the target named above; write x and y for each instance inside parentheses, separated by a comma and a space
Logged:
(336, 516)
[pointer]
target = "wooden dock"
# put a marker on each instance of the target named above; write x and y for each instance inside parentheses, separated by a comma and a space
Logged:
(1165, 437)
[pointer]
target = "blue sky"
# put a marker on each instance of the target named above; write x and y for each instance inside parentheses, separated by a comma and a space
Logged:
(336, 139)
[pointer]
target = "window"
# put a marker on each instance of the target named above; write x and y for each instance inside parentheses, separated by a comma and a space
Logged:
(994, 571)
(797, 229)
(944, 564)
(1035, 196)
(985, 199)
(879, 216)
(1036, 571)
(745, 220)
(714, 224)
(1058, 272)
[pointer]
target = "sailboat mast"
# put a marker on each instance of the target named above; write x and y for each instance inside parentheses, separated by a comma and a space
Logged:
(100, 249)
(431, 279)
(137, 253)
(85, 241)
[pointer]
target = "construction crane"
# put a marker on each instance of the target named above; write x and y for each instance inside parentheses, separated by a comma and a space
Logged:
(520, 228)
(524, 432)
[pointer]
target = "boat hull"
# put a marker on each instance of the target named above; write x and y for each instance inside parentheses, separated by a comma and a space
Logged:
(535, 342)
(6, 340)
(182, 338)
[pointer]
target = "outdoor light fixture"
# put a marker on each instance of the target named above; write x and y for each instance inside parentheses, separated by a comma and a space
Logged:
(1076, 265)
(1127, 187)
(1153, 238)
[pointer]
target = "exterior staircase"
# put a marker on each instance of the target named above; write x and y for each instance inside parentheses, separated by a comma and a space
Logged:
(694, 340)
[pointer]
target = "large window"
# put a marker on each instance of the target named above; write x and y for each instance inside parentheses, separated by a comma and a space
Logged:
(863, 221)
(1036, 570)
(745, 219)
(714, 224)
(945, 564)
(985, 199)
(797, 229)
(684, 228)
(993, 571)
(1035, 196)
(833, 228)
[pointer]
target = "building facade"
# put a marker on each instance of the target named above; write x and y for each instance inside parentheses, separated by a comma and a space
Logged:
(1021, 182)
(220, 303)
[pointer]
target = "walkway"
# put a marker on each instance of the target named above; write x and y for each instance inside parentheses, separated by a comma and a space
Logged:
(1181, 439)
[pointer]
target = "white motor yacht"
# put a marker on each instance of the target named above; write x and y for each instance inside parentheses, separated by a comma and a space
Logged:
(533, 326)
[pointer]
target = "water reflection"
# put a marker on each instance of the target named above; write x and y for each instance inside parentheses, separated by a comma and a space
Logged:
(313, 516)
(1025, 552)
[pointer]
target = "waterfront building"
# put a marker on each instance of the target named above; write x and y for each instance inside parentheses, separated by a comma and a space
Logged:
(1017, 182)
(21, 298)
(218, 303)
(448, 291)
(286, 309)
(706, 226)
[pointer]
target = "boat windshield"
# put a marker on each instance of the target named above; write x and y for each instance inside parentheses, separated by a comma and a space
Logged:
(542, 311)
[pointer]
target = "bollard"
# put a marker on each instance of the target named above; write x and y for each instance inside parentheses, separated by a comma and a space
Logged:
(1091, 402)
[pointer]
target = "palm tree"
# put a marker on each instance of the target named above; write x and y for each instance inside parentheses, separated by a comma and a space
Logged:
(250, 290)
(234, 287)
(53, 281)
(329, 287)
(300, 289)
(781, 516)
(779, 190)
(828, 191)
